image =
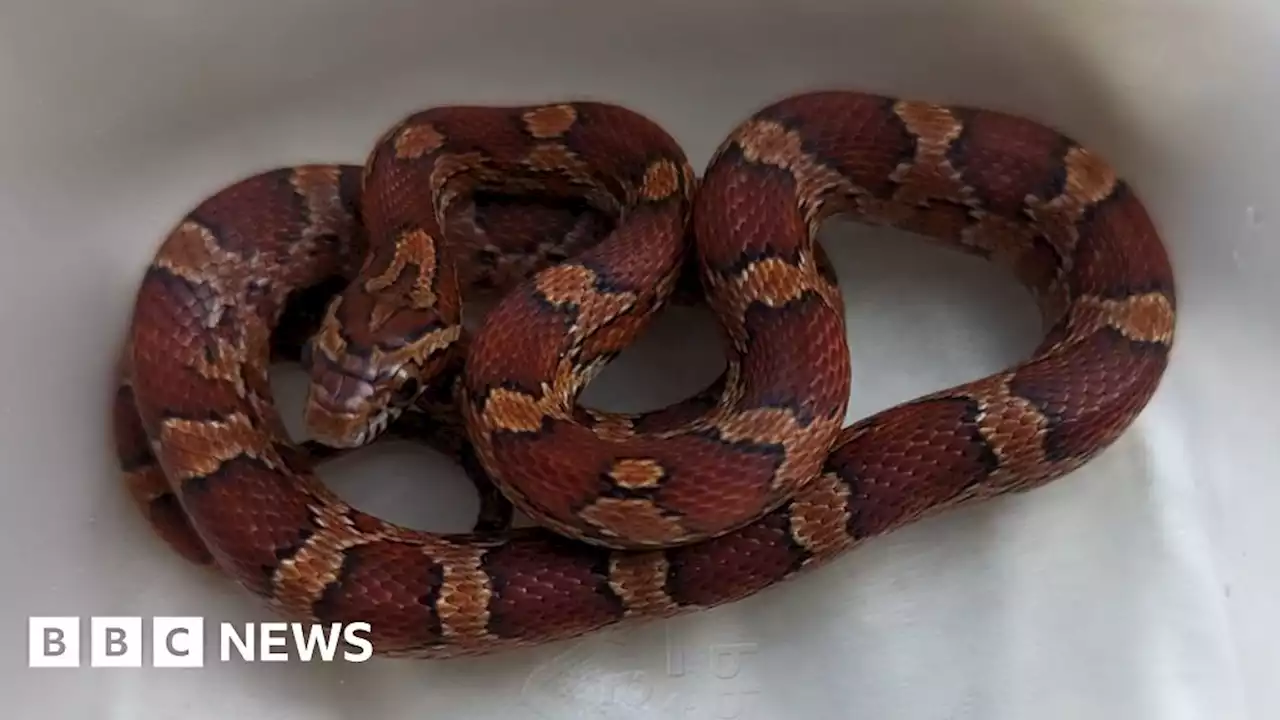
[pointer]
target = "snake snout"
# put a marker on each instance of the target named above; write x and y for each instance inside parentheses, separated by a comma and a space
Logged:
(342, 408)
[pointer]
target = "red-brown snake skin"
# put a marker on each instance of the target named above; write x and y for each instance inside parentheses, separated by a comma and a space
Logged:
(586, 219)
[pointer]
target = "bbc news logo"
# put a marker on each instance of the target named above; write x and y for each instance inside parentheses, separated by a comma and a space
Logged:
(179, 642)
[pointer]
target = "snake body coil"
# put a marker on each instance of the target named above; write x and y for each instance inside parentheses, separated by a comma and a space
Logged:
(645, 516)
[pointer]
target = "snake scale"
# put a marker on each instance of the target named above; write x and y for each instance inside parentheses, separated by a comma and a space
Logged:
(586, 219)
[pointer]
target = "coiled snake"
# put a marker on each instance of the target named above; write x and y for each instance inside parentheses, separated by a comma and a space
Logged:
(643, 516)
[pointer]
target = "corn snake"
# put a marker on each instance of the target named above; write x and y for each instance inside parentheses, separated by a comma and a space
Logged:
(645, 516)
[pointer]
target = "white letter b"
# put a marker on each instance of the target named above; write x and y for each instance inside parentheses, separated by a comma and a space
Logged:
(53, 642)
(115, 641)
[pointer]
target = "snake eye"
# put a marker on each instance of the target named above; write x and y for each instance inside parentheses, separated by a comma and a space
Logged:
(406, 393)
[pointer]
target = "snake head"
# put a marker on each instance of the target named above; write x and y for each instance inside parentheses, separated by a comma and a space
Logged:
(371, 359)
